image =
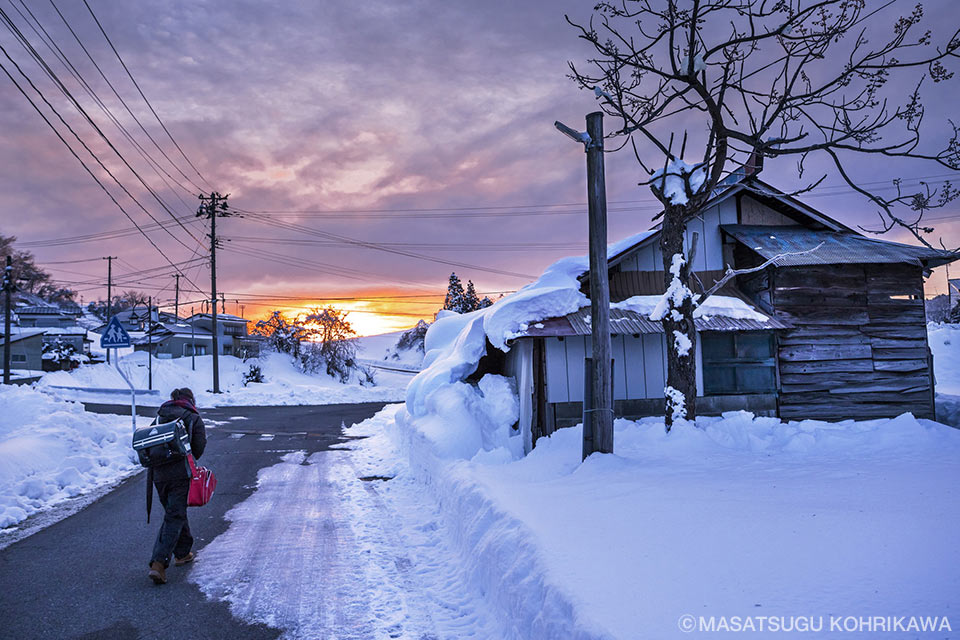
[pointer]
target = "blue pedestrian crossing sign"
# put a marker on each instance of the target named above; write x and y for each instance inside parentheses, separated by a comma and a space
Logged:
(115, 336)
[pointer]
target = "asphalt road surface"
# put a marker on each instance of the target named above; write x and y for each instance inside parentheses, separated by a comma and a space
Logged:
(86, 576)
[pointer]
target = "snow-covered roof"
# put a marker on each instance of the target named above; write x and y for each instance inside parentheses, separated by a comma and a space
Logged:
(22, 333)
(226, 317)
(632, 316)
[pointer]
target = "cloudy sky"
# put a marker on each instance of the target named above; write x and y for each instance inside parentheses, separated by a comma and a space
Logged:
(424, 126)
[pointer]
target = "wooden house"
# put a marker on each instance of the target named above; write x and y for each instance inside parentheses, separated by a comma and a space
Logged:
(838, 331)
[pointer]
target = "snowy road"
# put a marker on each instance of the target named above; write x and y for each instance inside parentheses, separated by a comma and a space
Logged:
(290, 554)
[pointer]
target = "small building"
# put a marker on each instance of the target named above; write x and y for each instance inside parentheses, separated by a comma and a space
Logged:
(231, 331)
(175, 340)
(134, 319)
(41, 316)
(26, 348)
(834, 330)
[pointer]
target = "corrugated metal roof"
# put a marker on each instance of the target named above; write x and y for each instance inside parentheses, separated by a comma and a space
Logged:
(830, 247)
(624, 322)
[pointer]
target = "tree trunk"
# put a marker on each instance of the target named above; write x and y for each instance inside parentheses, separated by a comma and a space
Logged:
(681, 388)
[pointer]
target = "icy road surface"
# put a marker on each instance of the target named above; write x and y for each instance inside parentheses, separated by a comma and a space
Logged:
(316, 552)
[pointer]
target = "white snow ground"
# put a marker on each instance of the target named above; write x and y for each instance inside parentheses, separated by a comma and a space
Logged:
(284, 385)
(738, 516)
(52, 451)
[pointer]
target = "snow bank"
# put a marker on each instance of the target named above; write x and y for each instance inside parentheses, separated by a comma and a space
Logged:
(731, 516)
(455, 342)
(52, 450)
(944, 340)
(284, 383)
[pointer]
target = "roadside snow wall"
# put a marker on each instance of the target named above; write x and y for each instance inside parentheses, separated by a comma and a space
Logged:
(499, 553)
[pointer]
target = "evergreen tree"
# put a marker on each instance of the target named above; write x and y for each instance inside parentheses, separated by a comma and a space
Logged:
(454, 301)
(486, 302)
(470, 300)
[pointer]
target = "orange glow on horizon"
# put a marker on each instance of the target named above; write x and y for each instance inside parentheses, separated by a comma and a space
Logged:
(394, 311)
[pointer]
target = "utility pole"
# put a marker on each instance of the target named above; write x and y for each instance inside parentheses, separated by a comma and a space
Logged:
(598, 417)
(223, 303)
(8, 289)
(176, 298)
(212, 207)
(242, 307)
(150, 343)
(109, 260)
(193, 343)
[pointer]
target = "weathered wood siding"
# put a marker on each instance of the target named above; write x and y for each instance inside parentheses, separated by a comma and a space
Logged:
(859, 349)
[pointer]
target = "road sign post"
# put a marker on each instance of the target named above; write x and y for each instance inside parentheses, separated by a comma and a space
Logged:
(114, 337)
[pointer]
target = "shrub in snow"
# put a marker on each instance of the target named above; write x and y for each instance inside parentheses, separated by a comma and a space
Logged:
(955, 314)
(62, 355)
(413, 338)
(253, 374)
(282, 334)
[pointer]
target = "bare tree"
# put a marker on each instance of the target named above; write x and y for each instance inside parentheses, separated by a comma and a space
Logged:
(743, 80)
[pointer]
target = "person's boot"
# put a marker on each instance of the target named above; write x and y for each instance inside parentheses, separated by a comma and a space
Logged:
(185, 559)
(158, 573)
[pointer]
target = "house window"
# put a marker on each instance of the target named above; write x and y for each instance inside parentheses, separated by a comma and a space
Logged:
(18, 357)
(737, 363)
(188, 349)
(232, 330)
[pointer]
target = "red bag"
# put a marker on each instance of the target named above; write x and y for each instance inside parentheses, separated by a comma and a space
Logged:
(202, 484)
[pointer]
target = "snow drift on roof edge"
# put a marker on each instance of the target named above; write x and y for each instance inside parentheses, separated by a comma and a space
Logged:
(455, 343)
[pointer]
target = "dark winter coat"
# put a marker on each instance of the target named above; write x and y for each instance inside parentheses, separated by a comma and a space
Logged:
(181, 410)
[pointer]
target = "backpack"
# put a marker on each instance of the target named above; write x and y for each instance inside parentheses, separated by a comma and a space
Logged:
(158, 444)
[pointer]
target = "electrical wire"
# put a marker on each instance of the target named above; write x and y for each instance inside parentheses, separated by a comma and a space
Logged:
(142, 95)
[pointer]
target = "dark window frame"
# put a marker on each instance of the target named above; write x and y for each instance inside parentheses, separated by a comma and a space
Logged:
(737, 363)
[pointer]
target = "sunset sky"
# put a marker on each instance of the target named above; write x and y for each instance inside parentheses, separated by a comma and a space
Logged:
(423, 127)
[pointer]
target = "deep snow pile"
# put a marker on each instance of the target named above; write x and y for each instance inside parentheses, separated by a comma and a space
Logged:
(944, 340)
(284, 383)
(733, 516)
(52, 450)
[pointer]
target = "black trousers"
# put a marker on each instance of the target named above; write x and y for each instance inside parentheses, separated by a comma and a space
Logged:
(174, 536)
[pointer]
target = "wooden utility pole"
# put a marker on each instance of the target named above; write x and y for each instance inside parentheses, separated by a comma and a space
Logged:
(150, 343)
(599, 289)
(176, 298)
(193, 343)
(598, 400)
(212, 207)
(109, 260)
(8, 288)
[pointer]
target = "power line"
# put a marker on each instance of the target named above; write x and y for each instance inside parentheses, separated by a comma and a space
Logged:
(142, 95)
(74, 153)
(378, 247)
(60, 85)
(58, 53)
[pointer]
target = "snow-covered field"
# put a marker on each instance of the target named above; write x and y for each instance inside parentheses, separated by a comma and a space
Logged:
(736, 516)
(51, 451)
(284, 383)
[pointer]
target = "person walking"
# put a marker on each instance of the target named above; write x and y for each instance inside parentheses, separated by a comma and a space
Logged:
(172, 481)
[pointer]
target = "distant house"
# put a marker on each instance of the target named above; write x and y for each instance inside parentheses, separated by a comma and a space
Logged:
(231, 331)
(838, 332)
(194, 335)
(175, 340)
(135, 319)
(39, 316)
(26, 348)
